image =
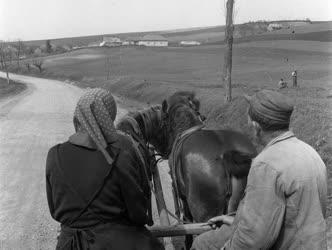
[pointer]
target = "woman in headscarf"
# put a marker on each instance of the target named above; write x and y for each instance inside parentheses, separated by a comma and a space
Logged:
(96, 184)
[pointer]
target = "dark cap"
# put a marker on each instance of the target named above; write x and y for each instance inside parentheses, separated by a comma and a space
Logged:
(272, 110)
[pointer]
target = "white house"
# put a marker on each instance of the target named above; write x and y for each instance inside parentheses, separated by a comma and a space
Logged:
(190, 43)
(153, 41)
(133, 40)
(274, 26)
(109, 41)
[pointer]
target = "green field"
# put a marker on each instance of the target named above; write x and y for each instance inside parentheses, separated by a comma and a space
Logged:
(151, 74)
(13, 88)
(316, 31)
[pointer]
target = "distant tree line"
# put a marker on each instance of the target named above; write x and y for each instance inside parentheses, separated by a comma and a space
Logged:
(19, 56)
(252, 28)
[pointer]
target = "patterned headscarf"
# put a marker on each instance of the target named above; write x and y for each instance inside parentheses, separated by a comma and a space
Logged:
(95, 114)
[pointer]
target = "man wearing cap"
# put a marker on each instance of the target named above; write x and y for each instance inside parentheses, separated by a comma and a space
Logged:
(284, 206)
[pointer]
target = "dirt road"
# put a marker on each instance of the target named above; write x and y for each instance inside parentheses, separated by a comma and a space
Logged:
(30, 124)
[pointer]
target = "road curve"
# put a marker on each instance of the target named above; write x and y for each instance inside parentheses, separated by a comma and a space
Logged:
(30, 124)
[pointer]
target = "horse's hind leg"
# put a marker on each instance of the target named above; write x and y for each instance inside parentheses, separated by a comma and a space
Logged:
(188, 241)
(187, 217)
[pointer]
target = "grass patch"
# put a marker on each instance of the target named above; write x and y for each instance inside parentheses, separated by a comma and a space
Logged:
(150, 75)
(12, 89)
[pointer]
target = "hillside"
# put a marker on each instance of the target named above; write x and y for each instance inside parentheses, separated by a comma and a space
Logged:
(316, 31)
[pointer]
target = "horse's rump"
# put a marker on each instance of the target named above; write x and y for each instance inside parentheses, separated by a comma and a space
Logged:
(204, 166)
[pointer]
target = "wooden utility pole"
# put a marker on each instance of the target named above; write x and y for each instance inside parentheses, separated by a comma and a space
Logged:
(227, 76)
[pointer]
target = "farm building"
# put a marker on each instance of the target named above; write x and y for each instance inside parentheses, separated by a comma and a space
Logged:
(110, 41)
(133, 40)
(274, 26)
(189, 43)
(153, 41)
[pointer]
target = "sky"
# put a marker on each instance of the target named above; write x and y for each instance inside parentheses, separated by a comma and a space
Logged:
(48, 19)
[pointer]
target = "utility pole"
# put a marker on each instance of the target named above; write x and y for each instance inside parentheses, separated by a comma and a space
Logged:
(227, 74)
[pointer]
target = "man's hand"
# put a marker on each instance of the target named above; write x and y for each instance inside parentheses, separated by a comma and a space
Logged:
(219, 220)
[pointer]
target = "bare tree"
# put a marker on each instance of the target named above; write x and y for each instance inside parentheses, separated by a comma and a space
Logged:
(19, 51)
(4, 59)
(28, 65)
(48, 46)
(38, 63)
(227, 72)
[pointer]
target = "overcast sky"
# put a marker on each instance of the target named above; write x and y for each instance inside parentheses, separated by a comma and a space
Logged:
(41, 19)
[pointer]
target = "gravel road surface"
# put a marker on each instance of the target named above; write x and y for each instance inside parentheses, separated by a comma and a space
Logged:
(30, 124)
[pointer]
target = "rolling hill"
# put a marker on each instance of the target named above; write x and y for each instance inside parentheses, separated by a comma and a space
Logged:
(316, 31)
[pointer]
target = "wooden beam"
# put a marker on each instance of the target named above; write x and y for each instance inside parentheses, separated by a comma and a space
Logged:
(161, 206)
(179, 230)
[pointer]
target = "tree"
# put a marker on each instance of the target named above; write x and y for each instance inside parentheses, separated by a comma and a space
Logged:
(48, 46)
(38, 63)
(28, 65)
(227, 72)
(20, 46)
(4, 59)
(29, 50)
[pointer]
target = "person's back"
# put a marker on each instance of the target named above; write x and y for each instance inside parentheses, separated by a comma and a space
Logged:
(285, 200)
(96, 184)
(302, 180)
(86, 170)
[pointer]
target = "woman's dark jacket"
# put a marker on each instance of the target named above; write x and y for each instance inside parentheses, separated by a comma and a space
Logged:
(99, 206)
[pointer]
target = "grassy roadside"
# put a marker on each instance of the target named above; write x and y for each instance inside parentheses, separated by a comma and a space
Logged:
(12, 89)
(150, 75)
(311, 121)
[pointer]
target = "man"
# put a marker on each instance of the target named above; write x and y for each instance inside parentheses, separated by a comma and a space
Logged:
(282, 84)
(284, 206)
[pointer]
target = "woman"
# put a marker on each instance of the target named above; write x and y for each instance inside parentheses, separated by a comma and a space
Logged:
(96, 186)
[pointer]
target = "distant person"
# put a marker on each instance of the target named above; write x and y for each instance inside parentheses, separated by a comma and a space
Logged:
(95, 183)
(282, 84)
(294, 77)
(284, 206)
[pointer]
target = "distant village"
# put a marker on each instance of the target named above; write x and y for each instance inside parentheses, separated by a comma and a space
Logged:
(30, 49)
(150, 40)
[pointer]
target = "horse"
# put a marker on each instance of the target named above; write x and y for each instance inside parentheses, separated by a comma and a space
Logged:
(209, 168)
(143, 127)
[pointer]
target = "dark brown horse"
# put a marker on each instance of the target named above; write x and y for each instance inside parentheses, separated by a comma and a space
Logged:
(144, 127)
(209, 167)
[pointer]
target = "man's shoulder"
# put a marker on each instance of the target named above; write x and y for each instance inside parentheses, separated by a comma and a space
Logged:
(290, 155)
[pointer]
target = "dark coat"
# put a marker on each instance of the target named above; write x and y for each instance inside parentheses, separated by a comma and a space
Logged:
(99, 208)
